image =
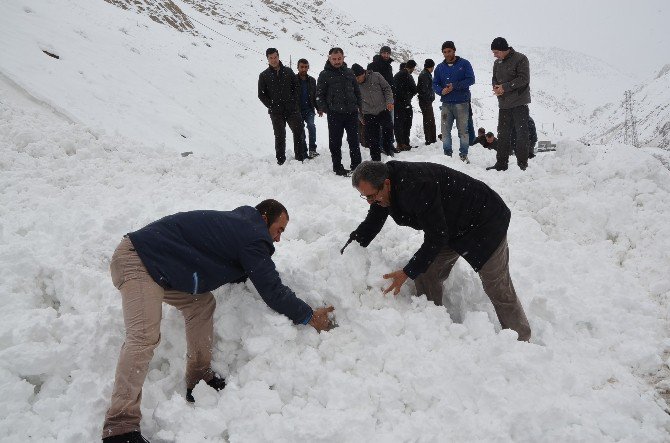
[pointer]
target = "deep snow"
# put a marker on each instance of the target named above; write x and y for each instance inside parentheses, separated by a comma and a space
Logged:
(90, 150)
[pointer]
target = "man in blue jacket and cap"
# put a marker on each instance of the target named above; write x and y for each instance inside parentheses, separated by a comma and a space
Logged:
(179, 260)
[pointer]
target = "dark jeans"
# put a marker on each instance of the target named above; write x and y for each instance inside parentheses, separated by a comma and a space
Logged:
(403, 124)
(294, 121)
(516, 118)
(374, 126)
(308, 118)
(338, 122)
(429, 129)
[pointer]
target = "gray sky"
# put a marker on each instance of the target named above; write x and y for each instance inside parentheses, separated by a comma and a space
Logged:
(632, 34)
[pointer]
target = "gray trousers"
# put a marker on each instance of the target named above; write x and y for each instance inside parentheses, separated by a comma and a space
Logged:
(495, 278)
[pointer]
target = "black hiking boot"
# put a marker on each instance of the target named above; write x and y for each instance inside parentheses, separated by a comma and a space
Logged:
(497, 167)
(216, 382)
(280, 161)
(128, 437)
(342, 172)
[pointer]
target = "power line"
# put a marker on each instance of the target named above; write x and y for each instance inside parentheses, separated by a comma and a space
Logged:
(222, 35)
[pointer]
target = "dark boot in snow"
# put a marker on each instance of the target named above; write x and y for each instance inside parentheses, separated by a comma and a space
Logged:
(216, 382)
(497, 167)
(128, 437)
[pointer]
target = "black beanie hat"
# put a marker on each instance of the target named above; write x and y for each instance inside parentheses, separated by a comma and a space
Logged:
(448, 44)
(358, 69)
(499, 44)
(429, 63)
(411, 64)
(385, 49)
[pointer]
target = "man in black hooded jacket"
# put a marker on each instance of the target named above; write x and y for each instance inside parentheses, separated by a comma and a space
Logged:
(460, 217)
(279, 90)
(338, 95)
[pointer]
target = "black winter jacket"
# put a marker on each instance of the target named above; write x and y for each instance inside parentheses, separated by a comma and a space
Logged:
(311, 90)
(405, 88)
(382, 66)
(337, 90)
(424, 87)
(279, 90)
(199, 251)
(451, 208)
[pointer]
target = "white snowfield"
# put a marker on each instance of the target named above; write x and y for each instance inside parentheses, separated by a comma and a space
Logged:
(89, 150)
(589, 240)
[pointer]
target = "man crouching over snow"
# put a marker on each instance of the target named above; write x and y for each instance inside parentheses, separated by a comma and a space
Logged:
(460, 217)
(178, 260)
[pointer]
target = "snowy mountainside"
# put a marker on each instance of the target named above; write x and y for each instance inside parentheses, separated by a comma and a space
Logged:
(589, 237)
(121, 71)
(651, 109)
(183, 73)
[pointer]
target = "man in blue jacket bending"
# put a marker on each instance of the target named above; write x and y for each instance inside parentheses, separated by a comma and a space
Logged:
(451, 81)
(179, 260)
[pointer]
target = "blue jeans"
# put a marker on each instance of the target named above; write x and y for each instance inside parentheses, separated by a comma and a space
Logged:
(308, 118)
(461, 113)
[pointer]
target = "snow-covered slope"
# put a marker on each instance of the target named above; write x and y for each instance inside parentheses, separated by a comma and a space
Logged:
(589, 240)
(183, 73)
(122, 71)
(651, 109)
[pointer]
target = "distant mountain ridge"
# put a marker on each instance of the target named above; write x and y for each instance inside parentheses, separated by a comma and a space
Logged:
(651, 110)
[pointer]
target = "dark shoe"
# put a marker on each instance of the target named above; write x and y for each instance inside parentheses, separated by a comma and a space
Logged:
(523, 167)
(404, 148)
(280, 161)
(342, 172)
(128, 437)
(217, 383)
(439, 136)
(312, 154)
(389, 153)
(448, 154)
(531, 156)
(464, 159)
(396, 150)
(497, 167)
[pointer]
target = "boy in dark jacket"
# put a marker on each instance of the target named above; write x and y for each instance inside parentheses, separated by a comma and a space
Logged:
(179, 260)
(405, 89)
(426, 96)
(308, 103)
(459, 216)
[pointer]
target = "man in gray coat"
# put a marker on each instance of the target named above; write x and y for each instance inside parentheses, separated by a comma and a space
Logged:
(511, 84)
(377, 104)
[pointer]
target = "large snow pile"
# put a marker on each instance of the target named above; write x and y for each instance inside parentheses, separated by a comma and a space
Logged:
(589, 239)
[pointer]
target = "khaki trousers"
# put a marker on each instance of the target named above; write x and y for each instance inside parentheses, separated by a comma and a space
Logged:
(495, 278)
(142, 312)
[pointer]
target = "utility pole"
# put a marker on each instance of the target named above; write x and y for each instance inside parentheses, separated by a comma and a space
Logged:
(630, 124)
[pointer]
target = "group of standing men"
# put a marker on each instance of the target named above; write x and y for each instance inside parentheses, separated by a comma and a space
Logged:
(181, 258)
(382, 102)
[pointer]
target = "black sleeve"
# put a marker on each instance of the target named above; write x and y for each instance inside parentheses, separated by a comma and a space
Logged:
(370, 227)
(321, 93)
(262, 92)
(430, 217)
(257, 263)
(295, 86)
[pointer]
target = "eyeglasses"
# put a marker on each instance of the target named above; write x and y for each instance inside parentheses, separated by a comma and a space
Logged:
(370, 198)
